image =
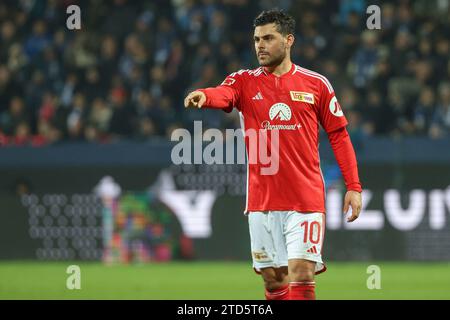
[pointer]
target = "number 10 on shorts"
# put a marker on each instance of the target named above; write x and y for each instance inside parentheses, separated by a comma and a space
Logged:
(312, 231)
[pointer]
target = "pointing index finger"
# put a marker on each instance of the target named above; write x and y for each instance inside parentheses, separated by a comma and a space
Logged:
(187, 100)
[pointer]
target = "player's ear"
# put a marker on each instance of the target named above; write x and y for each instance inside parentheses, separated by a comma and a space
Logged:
(290, 39)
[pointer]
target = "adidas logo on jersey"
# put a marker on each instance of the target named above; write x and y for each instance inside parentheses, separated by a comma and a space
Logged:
(258, 96)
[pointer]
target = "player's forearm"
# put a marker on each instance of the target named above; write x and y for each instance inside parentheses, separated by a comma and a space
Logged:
(346, 158)
(219, 98)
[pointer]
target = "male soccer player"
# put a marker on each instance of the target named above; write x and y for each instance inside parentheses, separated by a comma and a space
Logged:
(286, 210)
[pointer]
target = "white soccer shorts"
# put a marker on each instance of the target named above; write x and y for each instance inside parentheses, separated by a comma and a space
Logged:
(278, 236)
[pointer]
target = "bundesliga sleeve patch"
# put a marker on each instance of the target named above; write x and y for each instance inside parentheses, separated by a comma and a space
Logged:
(335, 107)
(302, 97)
(228, 81)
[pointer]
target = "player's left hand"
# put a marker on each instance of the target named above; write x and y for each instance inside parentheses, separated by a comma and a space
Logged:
(353, 199)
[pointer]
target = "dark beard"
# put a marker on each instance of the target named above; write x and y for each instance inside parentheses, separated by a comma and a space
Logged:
(275, 61)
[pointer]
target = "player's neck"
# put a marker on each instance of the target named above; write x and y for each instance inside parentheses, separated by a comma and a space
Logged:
(280, 69)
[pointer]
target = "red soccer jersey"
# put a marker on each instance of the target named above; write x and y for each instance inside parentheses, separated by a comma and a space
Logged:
(294, 104)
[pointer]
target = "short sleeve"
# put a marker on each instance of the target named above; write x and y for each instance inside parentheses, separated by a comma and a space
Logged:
(331, 116)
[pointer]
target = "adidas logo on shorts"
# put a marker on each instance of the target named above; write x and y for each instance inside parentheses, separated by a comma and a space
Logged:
(313, 249)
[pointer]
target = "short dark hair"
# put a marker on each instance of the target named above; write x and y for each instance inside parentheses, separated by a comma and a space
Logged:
(284, 22)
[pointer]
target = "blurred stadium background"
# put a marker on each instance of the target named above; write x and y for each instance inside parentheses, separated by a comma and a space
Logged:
(86, 176)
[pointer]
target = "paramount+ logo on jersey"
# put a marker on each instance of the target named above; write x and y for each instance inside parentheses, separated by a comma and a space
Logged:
(280, 112)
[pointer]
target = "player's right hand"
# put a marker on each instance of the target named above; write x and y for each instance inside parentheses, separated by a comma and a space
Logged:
(195, 99)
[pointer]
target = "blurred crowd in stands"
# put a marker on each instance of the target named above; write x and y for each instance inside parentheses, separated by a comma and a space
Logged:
(125, 73)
